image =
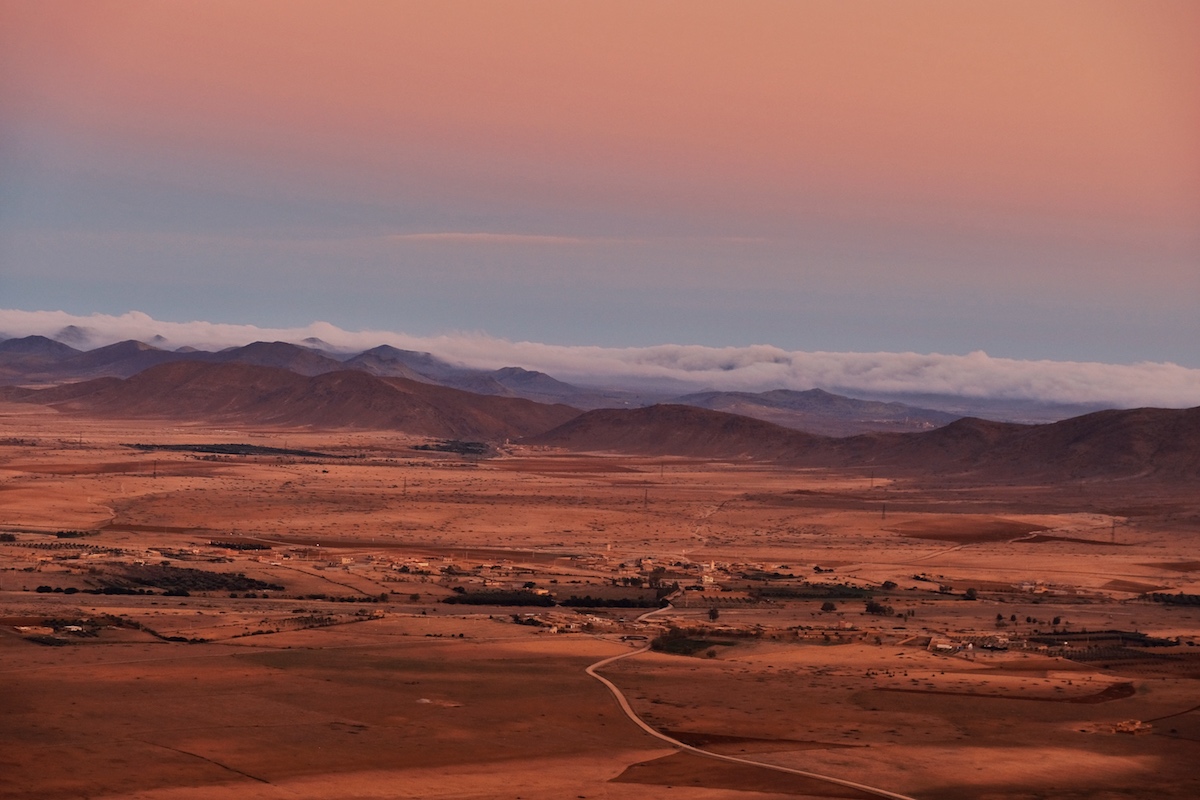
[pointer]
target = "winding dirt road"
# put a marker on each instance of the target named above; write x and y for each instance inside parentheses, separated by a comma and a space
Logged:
(629, 712)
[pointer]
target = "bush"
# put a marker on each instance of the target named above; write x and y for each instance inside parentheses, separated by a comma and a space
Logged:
(677, 641)
(587, 601)
(519, 597)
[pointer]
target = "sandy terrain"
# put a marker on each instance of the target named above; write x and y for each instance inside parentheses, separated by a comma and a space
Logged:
(308, 652)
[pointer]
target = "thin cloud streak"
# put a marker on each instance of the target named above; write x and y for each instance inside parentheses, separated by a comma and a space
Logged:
(488, 237)
(482, 237)
(753, 368)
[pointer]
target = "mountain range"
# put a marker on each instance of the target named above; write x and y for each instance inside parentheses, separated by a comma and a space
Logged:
(1149, 443)
(286, 385)
(40, 361)
(233, 393)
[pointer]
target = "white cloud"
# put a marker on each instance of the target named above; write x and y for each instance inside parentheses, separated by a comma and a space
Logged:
(754, 368)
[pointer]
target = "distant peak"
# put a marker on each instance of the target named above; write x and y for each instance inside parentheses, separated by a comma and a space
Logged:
(36, 345)
(129, 344)
(73, 335)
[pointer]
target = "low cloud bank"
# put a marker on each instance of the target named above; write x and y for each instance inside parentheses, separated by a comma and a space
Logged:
(755, 368)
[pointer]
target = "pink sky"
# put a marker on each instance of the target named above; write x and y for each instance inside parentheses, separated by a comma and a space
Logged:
(1034, 151)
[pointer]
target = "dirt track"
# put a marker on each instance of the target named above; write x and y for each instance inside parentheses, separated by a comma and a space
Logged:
(864, 790)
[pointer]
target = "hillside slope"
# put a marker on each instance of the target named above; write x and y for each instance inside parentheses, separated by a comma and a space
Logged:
(1163, 444)
(249, 394)
(678, 430)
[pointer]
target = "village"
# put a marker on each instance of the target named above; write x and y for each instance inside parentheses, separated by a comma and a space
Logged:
(561, 593)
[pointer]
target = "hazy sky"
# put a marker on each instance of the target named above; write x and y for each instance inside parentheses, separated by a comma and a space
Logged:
(1021, 178)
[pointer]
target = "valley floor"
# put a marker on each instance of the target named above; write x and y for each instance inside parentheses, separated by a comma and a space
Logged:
(179, 624)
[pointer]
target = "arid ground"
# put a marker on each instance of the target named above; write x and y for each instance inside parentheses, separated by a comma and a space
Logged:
(190, 624)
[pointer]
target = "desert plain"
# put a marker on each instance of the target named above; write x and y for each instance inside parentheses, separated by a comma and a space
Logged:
(343, 615)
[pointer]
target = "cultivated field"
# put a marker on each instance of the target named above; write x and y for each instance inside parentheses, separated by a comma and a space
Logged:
(370, 621)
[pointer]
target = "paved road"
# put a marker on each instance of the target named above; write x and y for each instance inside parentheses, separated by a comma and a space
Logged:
(629, 712)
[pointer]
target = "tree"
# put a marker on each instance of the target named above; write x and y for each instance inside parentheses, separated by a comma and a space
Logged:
(656, 576)
(828, 606)
(971, 594)
(713, 614)
(875, 607)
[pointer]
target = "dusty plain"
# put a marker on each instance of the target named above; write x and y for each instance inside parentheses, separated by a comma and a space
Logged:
(180, 624)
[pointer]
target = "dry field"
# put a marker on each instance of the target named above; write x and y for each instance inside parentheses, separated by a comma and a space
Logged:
(183, 625)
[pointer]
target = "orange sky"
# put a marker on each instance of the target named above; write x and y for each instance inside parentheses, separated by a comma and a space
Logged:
(1076, 108)
(1036, 120)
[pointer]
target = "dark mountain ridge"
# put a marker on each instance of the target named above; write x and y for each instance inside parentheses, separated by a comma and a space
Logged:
(39, 360)
(1160, 444)
(1163, 444)
(36, 360)
(35, 347)
(677, 430)
(233, 393)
